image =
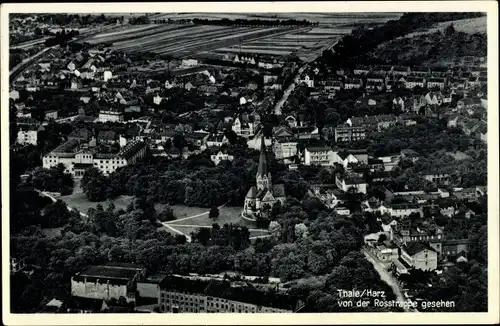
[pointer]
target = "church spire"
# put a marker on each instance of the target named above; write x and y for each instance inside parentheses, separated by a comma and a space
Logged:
(262, 171)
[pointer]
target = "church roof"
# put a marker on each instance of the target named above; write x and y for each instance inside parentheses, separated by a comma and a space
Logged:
(262, 170)
(252, 192)
(279, 190)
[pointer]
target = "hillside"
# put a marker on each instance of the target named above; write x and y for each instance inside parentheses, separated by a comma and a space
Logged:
(439, 44)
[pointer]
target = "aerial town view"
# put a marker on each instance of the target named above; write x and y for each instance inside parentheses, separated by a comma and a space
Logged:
(248, 163)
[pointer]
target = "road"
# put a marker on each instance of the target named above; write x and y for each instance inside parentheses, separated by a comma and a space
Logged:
(387, 278)
(288, 91)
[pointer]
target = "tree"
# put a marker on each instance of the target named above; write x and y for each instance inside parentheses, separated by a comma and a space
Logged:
(214, 213)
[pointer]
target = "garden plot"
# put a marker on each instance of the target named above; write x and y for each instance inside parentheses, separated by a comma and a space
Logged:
(134, 35)
(125, 30)
(174, 33)
(256, 51)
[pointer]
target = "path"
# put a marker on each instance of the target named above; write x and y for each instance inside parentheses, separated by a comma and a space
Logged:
(48, 195)
(387, 278)
(288, 91)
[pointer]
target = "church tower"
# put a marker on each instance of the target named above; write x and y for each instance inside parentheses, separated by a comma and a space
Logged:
(263, 176)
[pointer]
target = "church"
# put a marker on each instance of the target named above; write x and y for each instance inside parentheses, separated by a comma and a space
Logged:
(265, 192)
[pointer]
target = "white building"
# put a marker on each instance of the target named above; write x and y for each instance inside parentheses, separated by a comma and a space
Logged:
(111, 115)
(77, 158)
(27, 136)
(219, 157)
(189, 62)
(107, 75)
(324, 156)
(307, 80)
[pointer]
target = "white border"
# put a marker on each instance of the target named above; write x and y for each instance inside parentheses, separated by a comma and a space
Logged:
(294, 319)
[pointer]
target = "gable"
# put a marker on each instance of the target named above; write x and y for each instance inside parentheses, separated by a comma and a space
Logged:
(268, 196)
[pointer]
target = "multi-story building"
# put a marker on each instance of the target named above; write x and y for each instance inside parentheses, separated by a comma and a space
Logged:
(110, 281)
(323, 155)
(438, 178)
(188, 295)
(28, 133)
(401, 210)
(111, 114)
(348, 134)
(77, 157)
(285, 148)
(220, 156)
(419, 256)
(412, 82)
(351, 182)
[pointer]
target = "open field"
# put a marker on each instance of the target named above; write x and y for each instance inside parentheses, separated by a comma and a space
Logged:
(226, 215)
(188, 40)
(182, 40)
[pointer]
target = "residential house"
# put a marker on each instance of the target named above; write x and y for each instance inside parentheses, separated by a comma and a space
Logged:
(50, 115)
(410, 154)
(412, 82)
(107, 137)
(216, 140)
(349, 182)
(353, 83)
(319, 155)
(285, 148)
(112, 114)
(308, 81)
(80, 134)
(434, 98)
(420, 71)
(220, 156)
(420, 256)
(198, 138)
(361, 70)
(28, 133)
(349, 134)
(374, 86)
(400, 71)
(415, 103)
(438, 178)
(242, 126)
(401, 210)
(468, 103)
(453, 248)
(436, 82)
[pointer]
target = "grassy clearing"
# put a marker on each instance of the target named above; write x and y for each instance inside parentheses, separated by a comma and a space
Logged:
(459, 156)
(226, 215)
(79, 201)
(52, 232)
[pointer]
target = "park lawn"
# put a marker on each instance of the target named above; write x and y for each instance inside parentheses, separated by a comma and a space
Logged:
(227, 215)
(77, 200)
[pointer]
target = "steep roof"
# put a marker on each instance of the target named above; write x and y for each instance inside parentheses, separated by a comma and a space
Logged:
(415, 248)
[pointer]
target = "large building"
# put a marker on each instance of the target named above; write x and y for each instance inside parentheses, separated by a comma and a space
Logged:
(265, 193)
(187, 295)
(111, 115)
(348, 134)
(110, 281)
(28, 134)
(77, 157)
